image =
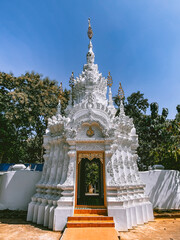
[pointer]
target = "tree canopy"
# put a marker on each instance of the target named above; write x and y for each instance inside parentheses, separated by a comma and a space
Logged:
(26, 102)
(159, 137)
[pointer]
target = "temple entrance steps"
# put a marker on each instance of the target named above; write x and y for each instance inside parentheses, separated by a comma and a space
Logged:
(84, 218)
(90, 221)
(90, 224)
(97, 211)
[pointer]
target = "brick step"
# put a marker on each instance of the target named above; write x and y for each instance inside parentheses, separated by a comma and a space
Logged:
(90, 211)
(86, 221)
(89, 224)
(90, 218)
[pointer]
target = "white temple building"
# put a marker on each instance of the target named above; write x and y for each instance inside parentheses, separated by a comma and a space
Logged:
(90, 158)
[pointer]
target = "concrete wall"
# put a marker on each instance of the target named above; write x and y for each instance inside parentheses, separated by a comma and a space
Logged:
(163, 188)
(17, 188)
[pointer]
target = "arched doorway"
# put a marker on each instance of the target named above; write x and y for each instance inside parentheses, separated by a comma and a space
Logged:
(90, 179)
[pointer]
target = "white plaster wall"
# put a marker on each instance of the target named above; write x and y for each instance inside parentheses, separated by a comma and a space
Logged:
(163, 188)
(17, 188)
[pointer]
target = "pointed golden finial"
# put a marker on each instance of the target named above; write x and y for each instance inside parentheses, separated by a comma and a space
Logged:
(60, 88)
(71, 81)
(60, 91)
(90, 32)
(120, 92)
(109, 80)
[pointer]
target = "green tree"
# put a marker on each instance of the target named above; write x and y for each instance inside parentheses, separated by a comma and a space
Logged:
(162, 140)
(152, 134)
(178, 113)
(26, 102)
(91, 173)
(168, 151)
(159, 138)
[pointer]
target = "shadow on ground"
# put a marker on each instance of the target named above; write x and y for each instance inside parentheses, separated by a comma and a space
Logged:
(13, 226)
(17, 217)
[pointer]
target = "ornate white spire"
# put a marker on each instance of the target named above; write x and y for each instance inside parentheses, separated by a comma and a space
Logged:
(58, 108)
(90, 83)
(110, 103)
(109, 83)
(71, 80)
(122, 108)
(71, 84)
(121, 97)
(90, 54)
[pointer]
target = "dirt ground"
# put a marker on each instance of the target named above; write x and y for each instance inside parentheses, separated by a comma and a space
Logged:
(160, 229)
(19, 229)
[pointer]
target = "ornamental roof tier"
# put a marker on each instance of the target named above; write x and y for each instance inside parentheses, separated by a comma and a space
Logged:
(90, 83)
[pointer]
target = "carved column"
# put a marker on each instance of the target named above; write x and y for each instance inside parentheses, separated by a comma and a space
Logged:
(50, 161)
(65, 164)
(110, 180)
(65, 205)
(61, 158)
(54, 161)
(47, 146)
(70, 180)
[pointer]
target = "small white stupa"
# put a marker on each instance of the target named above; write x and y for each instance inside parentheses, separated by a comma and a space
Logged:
(89, 140)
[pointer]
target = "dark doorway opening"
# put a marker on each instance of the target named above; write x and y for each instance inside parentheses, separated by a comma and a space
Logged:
(90, 190)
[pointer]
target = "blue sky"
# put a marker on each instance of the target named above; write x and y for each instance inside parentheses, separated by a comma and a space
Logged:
(138, 41)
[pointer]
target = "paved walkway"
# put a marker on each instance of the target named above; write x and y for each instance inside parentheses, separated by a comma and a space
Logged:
(90, 234)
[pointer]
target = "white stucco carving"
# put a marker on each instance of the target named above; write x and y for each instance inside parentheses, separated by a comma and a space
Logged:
(116, 136)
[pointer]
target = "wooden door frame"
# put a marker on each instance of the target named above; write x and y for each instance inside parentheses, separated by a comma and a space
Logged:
(104, 180)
